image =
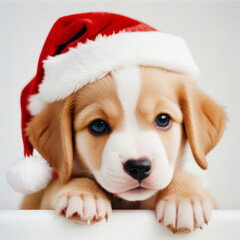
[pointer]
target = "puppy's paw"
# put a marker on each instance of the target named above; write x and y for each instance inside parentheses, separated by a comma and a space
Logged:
(183, 215)
(84, 209)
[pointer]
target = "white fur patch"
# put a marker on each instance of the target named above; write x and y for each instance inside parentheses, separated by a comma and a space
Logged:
(170, 214)
(75, 205)
(190, 166)
(129, 83)
(185, 216)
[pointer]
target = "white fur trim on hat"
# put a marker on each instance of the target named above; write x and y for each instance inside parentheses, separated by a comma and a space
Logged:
(36, 104)
(70, 71)
(29, 175)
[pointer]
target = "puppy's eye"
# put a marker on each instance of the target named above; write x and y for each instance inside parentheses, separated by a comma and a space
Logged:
(99, 127)
(163, 121)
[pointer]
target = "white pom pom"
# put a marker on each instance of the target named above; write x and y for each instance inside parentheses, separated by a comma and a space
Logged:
(29, 175)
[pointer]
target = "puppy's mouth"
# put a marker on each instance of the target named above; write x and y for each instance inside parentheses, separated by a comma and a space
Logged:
(137, 189)
(137, 193)
(140, 187)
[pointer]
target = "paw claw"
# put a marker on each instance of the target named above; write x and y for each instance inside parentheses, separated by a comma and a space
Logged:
(61, 205)
(184, 230)
(171, 228)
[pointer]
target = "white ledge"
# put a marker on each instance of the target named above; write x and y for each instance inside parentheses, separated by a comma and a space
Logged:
(123, 224)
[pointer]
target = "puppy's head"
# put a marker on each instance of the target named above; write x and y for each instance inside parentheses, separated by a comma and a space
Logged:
(129, 129)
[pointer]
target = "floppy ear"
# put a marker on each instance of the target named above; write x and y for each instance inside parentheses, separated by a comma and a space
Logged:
(50, 133)
(204, 121)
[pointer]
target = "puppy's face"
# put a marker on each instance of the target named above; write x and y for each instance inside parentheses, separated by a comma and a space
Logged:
(129, 129)
(129, 132)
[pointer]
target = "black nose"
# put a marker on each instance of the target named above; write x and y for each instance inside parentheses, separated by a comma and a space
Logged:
(138, 169)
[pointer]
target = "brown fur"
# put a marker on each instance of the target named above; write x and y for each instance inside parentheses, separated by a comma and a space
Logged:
(204, 121)
(93, 104)
(52, 133)
(157, 97)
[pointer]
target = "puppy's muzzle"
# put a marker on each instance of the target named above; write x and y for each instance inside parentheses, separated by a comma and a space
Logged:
(138, 169)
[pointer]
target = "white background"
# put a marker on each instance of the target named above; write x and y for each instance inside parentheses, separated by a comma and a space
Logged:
(212, 30)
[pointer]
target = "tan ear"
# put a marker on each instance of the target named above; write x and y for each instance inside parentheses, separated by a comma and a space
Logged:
(204, 121)
(50, 133)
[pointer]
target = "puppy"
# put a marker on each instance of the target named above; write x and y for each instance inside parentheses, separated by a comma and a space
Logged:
(119, 143)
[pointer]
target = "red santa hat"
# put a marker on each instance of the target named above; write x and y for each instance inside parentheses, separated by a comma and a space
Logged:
(79, 50)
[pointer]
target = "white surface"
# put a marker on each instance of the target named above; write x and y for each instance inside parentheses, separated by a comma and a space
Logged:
(211, 28)
(134, 224)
